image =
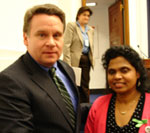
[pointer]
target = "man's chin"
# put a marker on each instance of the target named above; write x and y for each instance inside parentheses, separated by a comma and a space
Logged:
(48, 63)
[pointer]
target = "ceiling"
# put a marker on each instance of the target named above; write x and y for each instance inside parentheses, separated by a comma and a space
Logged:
(102, 2)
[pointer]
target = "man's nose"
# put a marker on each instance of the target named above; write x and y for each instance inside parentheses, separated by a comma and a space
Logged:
(50, 42)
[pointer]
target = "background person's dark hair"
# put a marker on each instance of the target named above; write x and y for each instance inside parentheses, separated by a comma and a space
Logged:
(48, 9)
(83, 9)
(132, 57)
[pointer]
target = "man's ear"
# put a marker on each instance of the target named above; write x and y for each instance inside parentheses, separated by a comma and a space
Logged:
(25, 39)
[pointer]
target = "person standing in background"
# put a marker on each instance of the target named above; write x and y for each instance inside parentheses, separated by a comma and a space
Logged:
(32, 98)
(78, 48)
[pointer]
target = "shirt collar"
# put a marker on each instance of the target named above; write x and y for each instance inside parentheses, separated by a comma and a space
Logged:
(43, 67)
(86, 27)
(47, 69)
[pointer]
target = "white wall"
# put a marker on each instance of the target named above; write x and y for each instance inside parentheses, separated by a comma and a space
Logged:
(11, 25)
(138, 36)
(7, 57)
(138, 26)
(99, 19)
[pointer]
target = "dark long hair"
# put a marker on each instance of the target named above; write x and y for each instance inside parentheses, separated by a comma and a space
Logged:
(133, 58)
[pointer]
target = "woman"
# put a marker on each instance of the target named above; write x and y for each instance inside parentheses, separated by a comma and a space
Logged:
(128, 105)
(78, 48)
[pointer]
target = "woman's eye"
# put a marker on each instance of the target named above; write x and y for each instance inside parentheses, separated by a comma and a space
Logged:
(124, 70)
(111, 72)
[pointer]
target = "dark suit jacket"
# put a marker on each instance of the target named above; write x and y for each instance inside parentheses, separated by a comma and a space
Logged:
(30, 101)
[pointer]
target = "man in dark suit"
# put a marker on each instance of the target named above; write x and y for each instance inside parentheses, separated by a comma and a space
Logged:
(30, 101)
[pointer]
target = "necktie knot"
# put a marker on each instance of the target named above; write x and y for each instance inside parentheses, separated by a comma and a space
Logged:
(53, 71)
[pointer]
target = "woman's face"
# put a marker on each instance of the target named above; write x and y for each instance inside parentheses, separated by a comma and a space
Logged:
(84, 17)
(122, 76)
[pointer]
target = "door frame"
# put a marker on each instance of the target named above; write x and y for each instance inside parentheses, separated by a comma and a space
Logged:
(148, 19)
(126, 22)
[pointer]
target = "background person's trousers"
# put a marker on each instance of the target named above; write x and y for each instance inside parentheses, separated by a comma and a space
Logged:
(85, 78)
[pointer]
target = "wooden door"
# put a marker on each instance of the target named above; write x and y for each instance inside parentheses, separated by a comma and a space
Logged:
(83, 2)
(116, 24)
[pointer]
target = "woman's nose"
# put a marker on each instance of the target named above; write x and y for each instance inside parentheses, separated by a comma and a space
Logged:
(118, 75)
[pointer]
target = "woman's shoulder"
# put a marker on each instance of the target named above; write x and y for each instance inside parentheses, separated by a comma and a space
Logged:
(71, 24)
(147, 95)
(91, 27)
(102, 99)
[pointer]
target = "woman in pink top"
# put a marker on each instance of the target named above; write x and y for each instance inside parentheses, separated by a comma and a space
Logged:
(127, 108)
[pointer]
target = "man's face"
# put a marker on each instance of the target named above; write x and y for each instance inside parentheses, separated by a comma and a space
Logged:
(45, 39)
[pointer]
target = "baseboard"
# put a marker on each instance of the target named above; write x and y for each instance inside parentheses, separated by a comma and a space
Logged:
(98, 91)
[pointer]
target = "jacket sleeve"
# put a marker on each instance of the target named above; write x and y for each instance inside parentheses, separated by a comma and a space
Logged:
(89, 127)
(15, 111)
(97, 117)
(68, 37)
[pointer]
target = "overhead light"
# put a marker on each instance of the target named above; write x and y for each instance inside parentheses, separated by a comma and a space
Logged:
(91, 4)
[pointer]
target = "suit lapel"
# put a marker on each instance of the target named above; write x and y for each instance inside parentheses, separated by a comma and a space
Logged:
(89, 36)
(44, 81)
(79, 34)
(90, 39)
(68, 73)
(47, 84)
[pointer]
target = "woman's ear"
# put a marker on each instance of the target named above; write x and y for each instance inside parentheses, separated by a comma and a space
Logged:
(138, 75)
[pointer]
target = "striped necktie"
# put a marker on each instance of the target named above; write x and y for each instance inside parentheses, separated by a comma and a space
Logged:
(64, 93)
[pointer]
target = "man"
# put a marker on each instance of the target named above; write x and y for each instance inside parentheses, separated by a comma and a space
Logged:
(78, 48)
(30, 100)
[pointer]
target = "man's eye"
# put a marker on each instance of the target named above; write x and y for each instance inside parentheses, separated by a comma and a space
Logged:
(57, 35)
(42, 35)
